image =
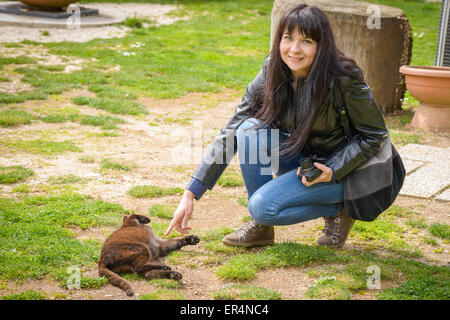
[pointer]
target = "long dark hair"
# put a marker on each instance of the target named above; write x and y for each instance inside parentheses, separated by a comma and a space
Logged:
(278, 99)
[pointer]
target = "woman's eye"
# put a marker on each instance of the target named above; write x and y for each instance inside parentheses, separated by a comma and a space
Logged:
(307, 41)
(287, 37)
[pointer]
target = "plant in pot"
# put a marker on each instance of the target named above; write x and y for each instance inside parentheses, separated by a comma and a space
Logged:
(431, 84)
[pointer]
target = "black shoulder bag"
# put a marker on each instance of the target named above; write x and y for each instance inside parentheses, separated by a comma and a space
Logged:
(371, 188)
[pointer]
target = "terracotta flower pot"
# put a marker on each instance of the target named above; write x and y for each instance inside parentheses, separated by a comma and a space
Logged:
(431, 86)
(48, 3)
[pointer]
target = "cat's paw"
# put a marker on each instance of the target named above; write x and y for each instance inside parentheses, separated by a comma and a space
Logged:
(193, 239)
(175, 275)
(130, 292)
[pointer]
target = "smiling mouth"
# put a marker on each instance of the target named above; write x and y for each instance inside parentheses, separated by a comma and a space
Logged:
(296, 59)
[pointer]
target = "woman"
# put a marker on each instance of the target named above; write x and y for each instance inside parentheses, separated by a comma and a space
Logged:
(294, 93)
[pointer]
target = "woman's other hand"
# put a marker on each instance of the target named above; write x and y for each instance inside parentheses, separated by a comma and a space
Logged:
(182, 214)
(326, 176)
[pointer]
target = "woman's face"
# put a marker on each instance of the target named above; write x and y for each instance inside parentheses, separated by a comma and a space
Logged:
(297, 52)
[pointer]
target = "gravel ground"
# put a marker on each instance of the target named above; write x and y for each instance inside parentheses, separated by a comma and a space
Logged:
(157, 13)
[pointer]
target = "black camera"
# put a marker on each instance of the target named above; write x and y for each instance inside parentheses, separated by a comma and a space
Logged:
(308, 170)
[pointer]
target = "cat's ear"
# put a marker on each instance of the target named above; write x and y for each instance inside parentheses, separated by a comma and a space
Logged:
(142, 219)
(124, 219)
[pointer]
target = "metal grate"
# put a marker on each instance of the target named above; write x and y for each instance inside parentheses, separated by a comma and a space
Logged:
(443, 45)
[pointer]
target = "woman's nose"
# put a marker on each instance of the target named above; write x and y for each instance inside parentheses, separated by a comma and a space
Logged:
(296, 47)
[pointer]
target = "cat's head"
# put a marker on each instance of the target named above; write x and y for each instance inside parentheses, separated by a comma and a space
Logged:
(135, 219)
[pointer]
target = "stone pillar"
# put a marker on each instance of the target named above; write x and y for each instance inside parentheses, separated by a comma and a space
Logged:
(377, 37)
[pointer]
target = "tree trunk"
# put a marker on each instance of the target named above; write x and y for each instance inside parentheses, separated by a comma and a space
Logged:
(377, 37)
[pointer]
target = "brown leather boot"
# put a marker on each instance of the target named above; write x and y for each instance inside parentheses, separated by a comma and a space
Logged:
(340, 227)
(325, 238)
(251, 234)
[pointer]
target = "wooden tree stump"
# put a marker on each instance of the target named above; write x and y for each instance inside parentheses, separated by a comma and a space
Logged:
(377, 37)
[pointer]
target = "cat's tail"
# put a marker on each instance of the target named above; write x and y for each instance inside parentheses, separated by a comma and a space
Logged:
(115, 279)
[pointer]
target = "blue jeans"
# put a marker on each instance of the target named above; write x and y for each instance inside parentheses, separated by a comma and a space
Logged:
(284, 200)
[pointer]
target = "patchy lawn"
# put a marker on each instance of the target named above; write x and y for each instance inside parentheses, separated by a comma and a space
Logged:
(82, 148)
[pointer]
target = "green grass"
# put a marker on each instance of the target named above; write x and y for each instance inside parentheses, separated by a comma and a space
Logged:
(245, 292)
(106, 122)
(423, 282)
(87, 159)
(54, 118)
(39, 146)
(152, 191)
(200, 55)
(9, 98)
(16, 60)
(12, 117)
(66, 179)
(66, 282)
(113, 105)
(114, 165)
(400, 138)
(13, 174)
(245, 266)
(162, 211)
(133, 23)
(414, 279)
(328, 288)
(35, 241)
(21, 188)
(243, 201)
(440, 230)
(397, 211)
(230, 179)
(418, 224)
(163, 294)
(166, 283)
(25, 295)
(383, 232)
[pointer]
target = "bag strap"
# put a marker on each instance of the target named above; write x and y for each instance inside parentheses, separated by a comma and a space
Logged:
(342, 110)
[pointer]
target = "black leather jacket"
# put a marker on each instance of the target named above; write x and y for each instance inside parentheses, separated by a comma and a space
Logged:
(327, 140)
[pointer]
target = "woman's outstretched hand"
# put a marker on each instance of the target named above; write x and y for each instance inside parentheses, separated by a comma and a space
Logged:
(182, 214)
(326, 176)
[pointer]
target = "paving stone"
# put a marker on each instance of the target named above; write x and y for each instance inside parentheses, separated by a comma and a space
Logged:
(427, 180)
(411, 165)
(444, 195)
(425, 153)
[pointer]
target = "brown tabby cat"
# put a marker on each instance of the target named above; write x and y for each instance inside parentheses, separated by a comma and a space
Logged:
(135, 249)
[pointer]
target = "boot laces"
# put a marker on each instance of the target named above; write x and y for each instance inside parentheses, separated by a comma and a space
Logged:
(249, 226)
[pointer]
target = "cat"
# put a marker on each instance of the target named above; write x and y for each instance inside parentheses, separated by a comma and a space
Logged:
(134, 248)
